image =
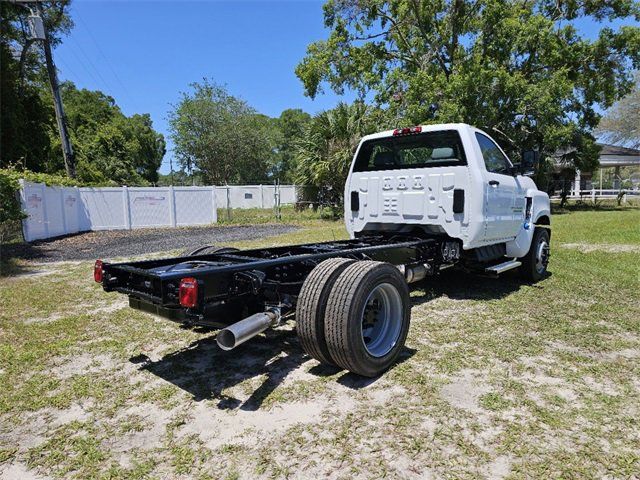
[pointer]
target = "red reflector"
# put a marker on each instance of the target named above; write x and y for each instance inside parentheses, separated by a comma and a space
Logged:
(97, 271)
(407, 130)
(188, 292)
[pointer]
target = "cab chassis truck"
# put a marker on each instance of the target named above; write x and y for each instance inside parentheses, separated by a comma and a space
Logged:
(417, 200)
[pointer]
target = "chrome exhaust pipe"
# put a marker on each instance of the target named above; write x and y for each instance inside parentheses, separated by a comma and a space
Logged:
(246, 329)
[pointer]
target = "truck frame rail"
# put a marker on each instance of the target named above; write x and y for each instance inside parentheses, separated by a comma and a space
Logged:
(226, 283)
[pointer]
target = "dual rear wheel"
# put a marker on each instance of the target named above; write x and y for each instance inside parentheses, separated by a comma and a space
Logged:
(354, 314)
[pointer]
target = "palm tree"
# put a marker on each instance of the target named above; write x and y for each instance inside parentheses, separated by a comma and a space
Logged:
(323, 156)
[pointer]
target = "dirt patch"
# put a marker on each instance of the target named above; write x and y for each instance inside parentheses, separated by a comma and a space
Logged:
(382, 396)
(19, 471)
(77, 412)
(155, 421)
(67, 367)
(35, 427)
(625, 354)
(602, 247)
(219, 427)
(499, 468)
(465, 391)
(111, 307)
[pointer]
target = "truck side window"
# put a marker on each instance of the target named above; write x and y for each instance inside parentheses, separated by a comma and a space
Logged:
(494, 159)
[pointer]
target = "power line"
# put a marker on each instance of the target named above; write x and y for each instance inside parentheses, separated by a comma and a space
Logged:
(80, 62)
(101, 52)
(104, 82)
(66, 68)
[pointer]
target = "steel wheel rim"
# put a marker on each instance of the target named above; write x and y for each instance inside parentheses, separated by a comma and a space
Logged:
(542, 256)
(381, 320)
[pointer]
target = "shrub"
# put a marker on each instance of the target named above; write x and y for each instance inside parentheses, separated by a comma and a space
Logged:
(10, 211)
(330, 213)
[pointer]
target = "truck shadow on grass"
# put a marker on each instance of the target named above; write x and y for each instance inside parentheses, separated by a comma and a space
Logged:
(206, 372)
(466, 286)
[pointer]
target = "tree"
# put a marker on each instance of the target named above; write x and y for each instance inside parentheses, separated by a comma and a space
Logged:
(271, 139)
(292, 125)
(25, 118)
(179, 178)
(25, 114)
(521, 68)
(109, 146)
(221, 136)
(621, 123)
(323, 155)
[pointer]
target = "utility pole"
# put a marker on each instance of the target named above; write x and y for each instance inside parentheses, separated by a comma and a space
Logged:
(39, 32)
(67, 149)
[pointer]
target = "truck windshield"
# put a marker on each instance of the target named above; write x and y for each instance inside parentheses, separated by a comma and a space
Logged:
(431, 149)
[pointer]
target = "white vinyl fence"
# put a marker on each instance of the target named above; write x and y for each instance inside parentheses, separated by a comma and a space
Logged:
(55, 211)
(254, 196)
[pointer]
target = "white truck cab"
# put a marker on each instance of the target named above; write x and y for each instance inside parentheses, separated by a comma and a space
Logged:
(449, 180)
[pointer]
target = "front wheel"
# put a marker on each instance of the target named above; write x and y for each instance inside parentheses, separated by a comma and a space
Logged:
(535, 262)
(367, 317)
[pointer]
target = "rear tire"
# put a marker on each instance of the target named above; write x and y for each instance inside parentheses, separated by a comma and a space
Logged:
(368, 316)
(311, 306)
(535, 262)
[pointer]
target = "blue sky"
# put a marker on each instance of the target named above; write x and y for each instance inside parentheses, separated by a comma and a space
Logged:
(144, 53)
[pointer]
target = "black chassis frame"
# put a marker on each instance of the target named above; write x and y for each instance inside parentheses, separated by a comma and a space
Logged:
(236, 284)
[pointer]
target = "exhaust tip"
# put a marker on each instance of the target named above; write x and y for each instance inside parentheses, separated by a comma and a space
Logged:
(226, 339)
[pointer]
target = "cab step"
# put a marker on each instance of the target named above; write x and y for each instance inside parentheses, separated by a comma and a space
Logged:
(503, 267)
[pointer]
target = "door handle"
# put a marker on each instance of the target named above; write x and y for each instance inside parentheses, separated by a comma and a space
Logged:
(494, 183)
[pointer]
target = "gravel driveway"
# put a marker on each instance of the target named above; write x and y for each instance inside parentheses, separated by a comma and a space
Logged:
(127, 243)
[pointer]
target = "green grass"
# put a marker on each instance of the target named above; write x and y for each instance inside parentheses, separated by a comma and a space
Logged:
(238, 216)
(619, 226)
(499, 378)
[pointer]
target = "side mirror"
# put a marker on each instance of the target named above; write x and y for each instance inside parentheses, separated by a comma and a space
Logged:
(530, 160)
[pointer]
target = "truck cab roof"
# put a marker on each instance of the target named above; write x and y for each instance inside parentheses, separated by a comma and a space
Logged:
(424, 128)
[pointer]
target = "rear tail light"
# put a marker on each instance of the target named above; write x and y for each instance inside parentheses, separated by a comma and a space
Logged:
(97, 271)
(188, 292)
(407, 131)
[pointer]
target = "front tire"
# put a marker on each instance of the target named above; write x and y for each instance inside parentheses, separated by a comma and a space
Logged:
(367, 317)
(535, 262)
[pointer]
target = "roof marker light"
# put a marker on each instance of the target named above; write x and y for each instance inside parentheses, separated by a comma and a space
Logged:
(407, 130)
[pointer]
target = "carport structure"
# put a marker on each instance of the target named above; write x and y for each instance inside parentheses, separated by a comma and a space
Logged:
(611, 156)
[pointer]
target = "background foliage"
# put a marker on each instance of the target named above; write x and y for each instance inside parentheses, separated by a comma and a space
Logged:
(325, 150)
(520, 70)
(109, 147)
(226, 140)
(10, 211)
(621, 124)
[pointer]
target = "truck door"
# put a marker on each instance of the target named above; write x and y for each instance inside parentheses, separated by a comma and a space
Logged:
(502, 193)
